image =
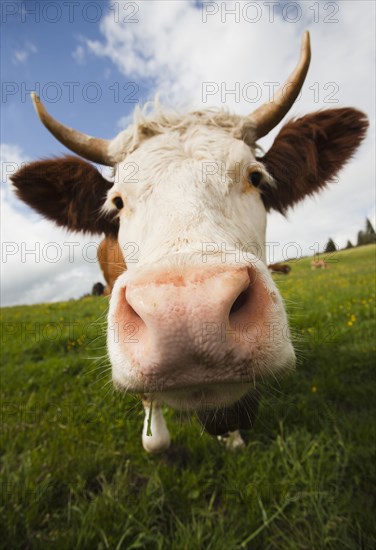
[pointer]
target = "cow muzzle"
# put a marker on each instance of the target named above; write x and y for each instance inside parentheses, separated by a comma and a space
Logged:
(199, 332)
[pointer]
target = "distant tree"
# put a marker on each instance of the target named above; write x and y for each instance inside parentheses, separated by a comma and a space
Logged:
(368, 236)
(361, 238)
(369, 228)
(330, 246)
(349, 245)
(370, 232)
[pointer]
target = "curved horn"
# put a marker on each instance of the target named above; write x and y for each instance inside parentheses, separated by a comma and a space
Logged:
(268, 115)
(88, 147)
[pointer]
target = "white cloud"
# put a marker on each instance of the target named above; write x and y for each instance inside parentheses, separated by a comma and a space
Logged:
(79, 55)
(173, 48)
(21, 55)
(40, 262)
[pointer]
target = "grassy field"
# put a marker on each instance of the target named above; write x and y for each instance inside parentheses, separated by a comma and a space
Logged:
(74, 474)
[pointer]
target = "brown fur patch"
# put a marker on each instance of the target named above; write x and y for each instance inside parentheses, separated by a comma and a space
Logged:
(308, 153)
(111, 260)
(67, 190)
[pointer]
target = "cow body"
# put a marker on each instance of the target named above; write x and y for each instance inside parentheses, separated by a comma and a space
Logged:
(280, 268)
(192, 322)
(319, 264)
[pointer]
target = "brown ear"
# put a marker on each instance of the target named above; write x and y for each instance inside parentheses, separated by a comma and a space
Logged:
(308, 153)
(68, 191)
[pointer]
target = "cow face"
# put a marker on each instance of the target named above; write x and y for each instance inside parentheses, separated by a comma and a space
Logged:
(196, 319)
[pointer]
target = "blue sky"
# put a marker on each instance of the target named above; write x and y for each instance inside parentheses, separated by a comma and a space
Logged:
(52, 67)
(173, 47)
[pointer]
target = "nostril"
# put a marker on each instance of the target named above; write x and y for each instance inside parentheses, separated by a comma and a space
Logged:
(130, 309)
(129, 328)
(132, 320)
(129, 313)
(240, 302)
(133, 313)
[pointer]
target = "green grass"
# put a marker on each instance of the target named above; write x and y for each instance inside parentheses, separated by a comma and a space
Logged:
(74, 474)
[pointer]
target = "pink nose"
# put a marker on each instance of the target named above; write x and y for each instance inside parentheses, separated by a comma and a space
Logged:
(172, 324)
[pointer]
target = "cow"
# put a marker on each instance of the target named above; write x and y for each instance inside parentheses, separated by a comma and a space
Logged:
(279, 268)
(193, 323)
(319, 264)
(98, 289)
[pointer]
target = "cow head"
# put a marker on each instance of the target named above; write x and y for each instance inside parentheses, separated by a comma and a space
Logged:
(196, 319)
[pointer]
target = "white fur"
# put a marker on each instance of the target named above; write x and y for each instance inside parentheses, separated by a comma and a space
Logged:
(233, 441)
(154, 120)
(185, 206)
(159, 438)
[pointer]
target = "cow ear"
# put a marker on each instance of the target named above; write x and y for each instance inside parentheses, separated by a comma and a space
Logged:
(68, 191)
(308, 153)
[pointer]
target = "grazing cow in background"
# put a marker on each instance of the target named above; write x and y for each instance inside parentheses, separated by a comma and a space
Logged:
(319, 264)
(189, 321)
(279, 268)
(98, 289)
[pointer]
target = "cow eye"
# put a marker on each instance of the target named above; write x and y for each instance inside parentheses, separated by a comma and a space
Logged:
(118, 202)
(255, 178)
